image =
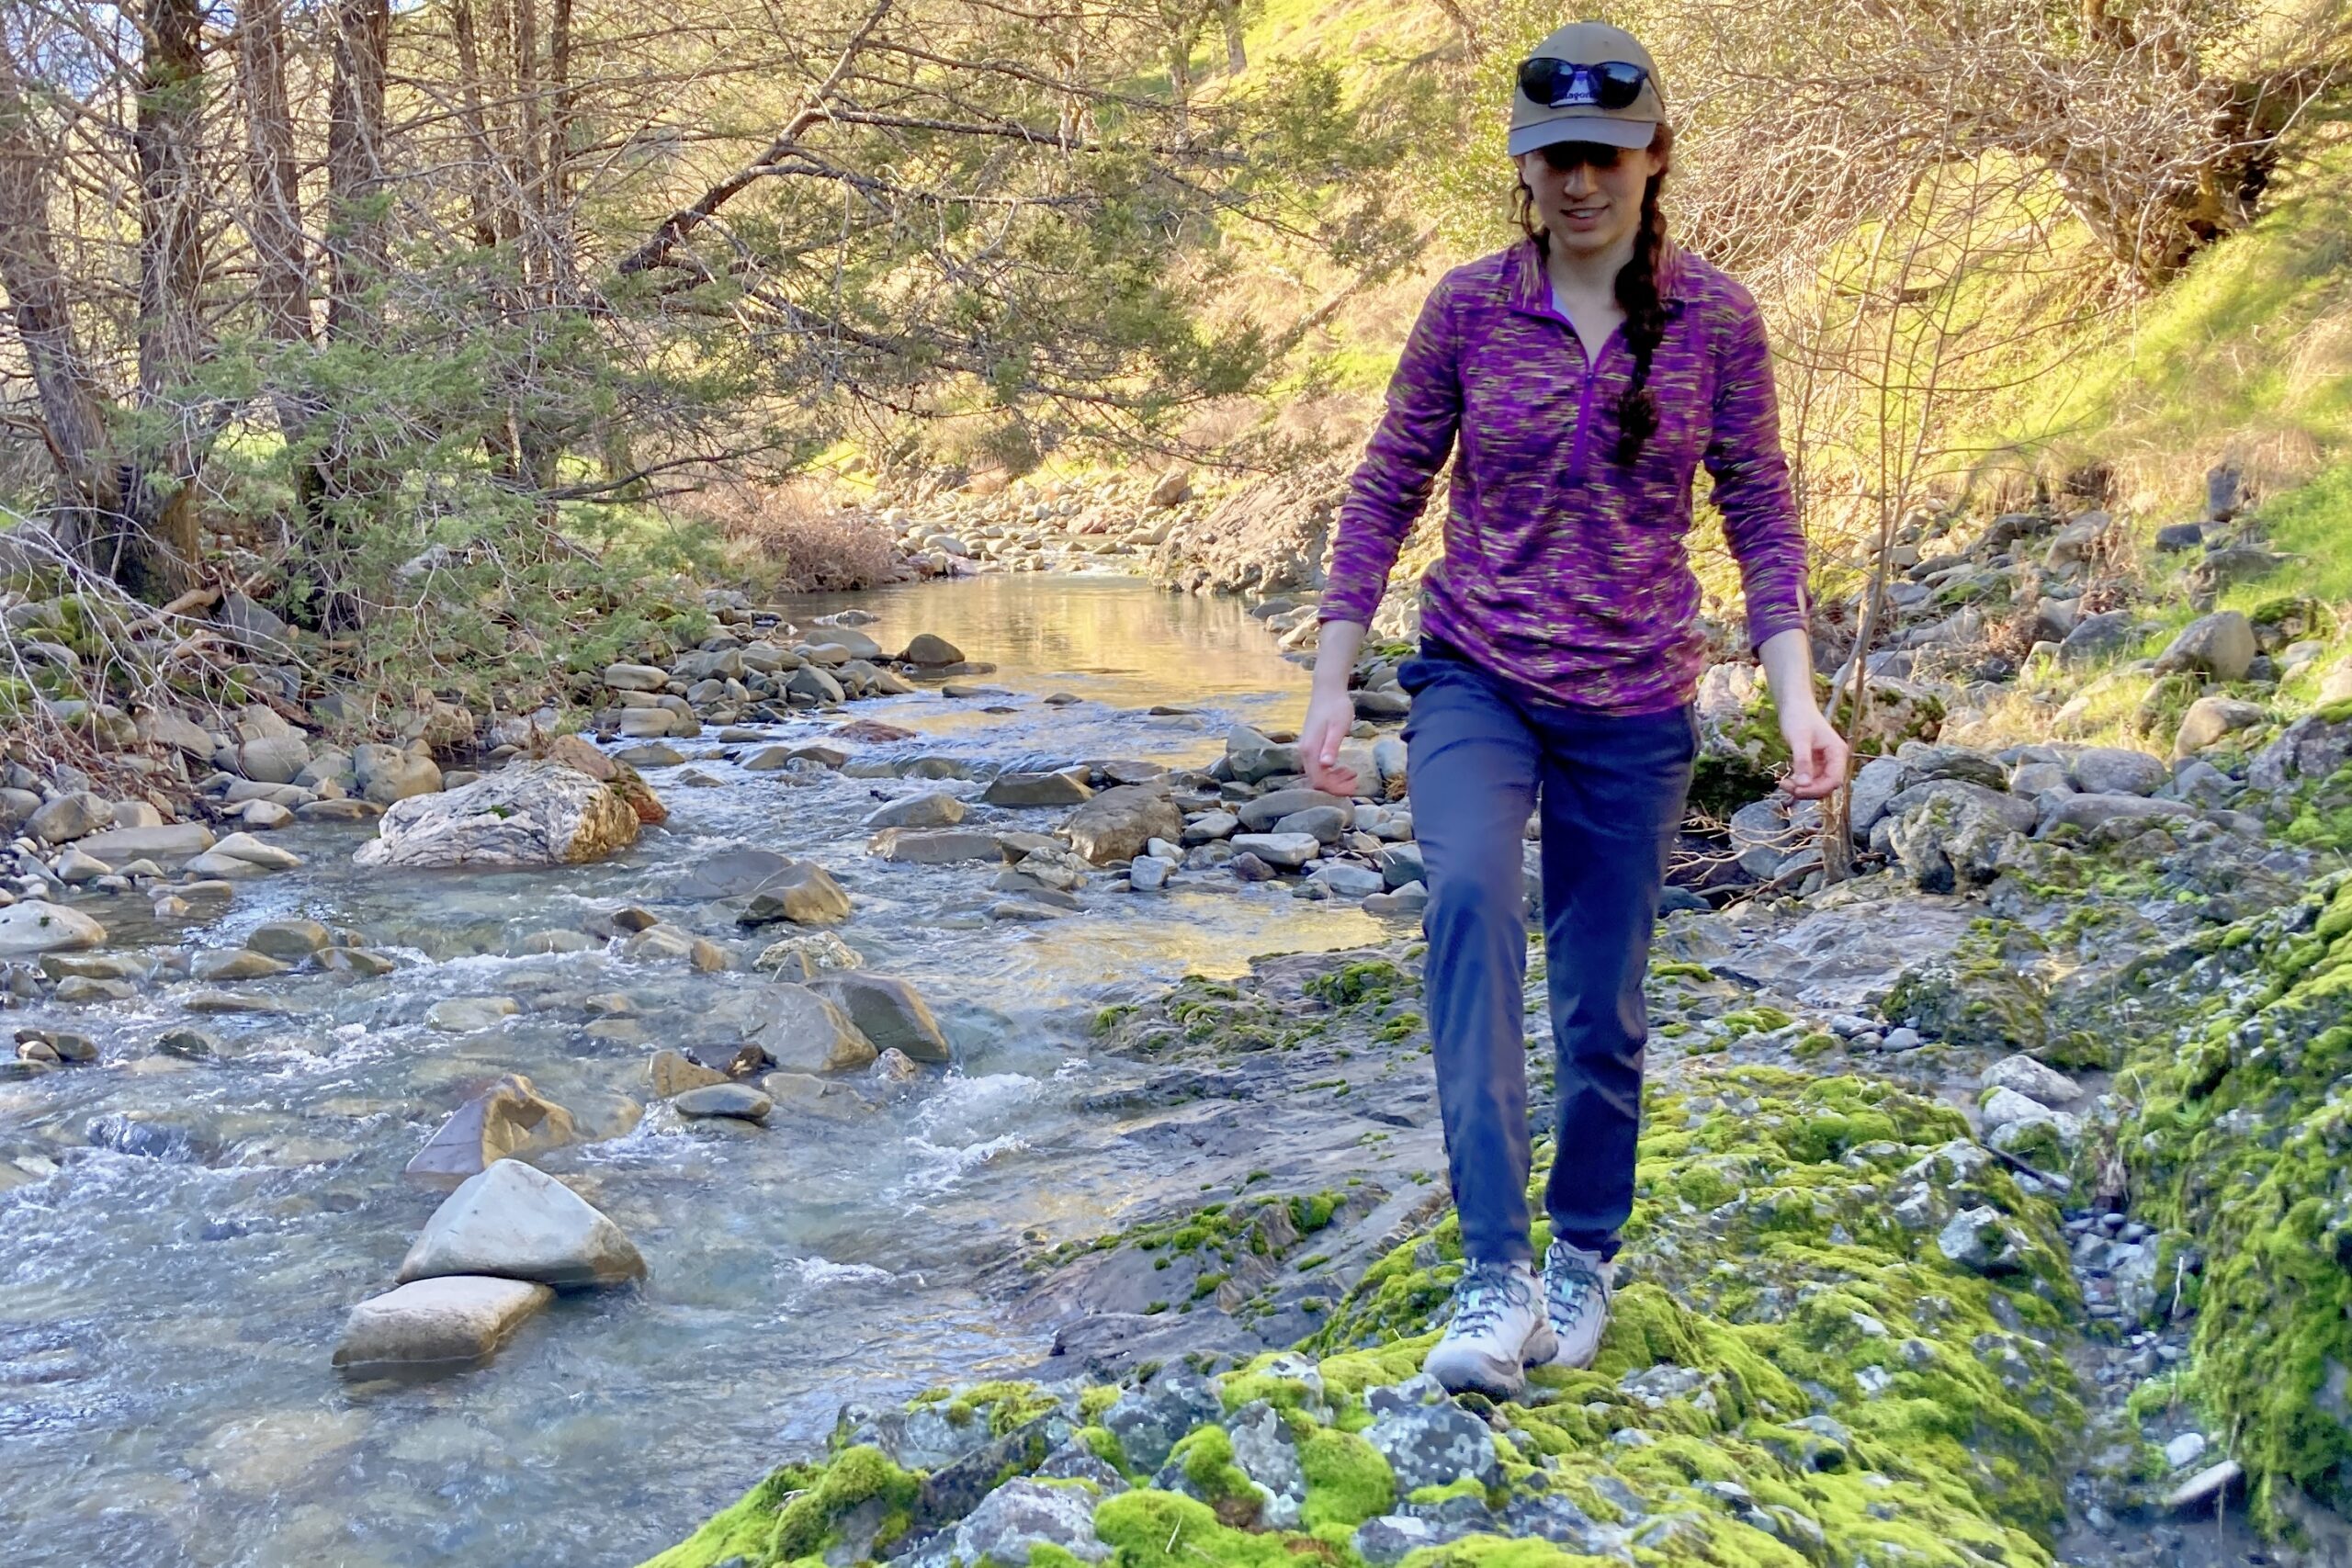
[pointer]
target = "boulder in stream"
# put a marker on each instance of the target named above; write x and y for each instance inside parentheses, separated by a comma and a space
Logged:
(508, 1121)
(529, 814)
(1037, 789)
(241, 856)
(454, 1321)
(929, 650)
(167, 846)
(724, 1102)
(933, 808)
(889, 1012)
(1117, 823)
(803, 892)
(796, 1029)
(516, 1221)
(37, 926)
(672, 1073)
(932, 846)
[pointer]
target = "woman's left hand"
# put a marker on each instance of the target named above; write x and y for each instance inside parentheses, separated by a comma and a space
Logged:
(1817, 752)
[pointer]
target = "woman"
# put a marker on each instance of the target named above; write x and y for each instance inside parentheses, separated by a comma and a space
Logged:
(1585, 374)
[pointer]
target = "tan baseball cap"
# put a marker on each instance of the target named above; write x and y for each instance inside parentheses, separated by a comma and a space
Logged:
(1579, 107)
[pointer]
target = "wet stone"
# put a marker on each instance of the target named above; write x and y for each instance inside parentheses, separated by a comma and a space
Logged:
(518, 1223)
(509, 1121)
(889, 1012)
(236, 964)
(291, 940)
(451, 1321)
(737, 1101)
(672, 1073)
(803, 892)
(933, 846)
(1036, 789)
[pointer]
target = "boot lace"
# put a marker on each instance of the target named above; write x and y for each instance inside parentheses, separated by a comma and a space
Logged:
(1482, 1294)
(1572, 1284)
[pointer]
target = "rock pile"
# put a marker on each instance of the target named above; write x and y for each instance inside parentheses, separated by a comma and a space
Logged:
(491, 1257)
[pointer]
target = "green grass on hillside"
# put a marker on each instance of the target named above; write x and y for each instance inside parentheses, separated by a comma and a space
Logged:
(2246, 358)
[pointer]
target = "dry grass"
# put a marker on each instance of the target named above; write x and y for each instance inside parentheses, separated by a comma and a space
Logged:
(797, 537)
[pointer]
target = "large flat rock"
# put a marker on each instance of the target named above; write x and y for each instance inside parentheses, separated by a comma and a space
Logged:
(455, 1321)
(167, 845)
(37, 926)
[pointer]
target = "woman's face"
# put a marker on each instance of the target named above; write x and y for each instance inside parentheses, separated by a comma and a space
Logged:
(1595, 203)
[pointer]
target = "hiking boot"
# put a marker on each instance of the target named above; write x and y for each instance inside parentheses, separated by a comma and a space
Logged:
(1497, 1327)
(1576, 1298)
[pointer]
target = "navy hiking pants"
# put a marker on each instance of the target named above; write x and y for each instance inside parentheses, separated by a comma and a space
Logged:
(1481, 755)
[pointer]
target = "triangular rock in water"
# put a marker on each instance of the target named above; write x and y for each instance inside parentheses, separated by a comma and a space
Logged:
(510, 1120)
(518, 1223)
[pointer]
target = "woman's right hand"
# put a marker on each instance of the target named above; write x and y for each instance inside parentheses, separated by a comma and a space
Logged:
(1330, 714)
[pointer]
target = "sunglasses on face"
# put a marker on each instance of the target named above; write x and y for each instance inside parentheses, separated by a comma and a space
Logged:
(1563, 84)
(1565, 156)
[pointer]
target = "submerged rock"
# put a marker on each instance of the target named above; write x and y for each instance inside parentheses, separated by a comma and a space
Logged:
(518, 1223)
(530, 813)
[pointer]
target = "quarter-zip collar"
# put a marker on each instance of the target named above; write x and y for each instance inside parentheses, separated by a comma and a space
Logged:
(1529, 290)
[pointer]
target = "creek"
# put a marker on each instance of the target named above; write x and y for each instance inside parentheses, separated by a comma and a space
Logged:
(174, 1278)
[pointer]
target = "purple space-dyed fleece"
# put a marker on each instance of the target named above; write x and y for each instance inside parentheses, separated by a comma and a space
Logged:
(1564, 570)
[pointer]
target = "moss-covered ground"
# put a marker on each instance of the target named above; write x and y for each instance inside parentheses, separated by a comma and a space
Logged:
(1797, 1371)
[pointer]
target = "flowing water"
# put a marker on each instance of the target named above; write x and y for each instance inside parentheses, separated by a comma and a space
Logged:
(172, 1286)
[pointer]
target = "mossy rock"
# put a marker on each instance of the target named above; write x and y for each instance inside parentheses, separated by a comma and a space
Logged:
(2241, 1143)
(1984, 1004)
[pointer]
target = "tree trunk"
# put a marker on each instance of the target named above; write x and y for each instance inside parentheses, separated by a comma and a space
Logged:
(74, 412)
(1237, 58)
(154, 554)
(275, 220)
(355, 183)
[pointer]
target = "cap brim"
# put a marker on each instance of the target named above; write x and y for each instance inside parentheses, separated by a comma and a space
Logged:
(1606, 130)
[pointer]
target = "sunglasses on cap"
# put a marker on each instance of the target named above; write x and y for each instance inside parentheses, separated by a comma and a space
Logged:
(1564, 84)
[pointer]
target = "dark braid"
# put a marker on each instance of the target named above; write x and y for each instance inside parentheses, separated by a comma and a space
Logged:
(1637, 295)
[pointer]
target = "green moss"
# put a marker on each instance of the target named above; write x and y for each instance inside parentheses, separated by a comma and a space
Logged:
(746, 1531)
(1374, 982)
(1164, 1529)
(1206, 1456)
(1311, 1211)
(1347, 1480)
(807, 1523)
(1105, 1444)
(2241, 1143)
(1786, 1230)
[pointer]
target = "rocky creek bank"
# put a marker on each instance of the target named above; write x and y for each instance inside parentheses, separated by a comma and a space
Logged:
(1985, 1218)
